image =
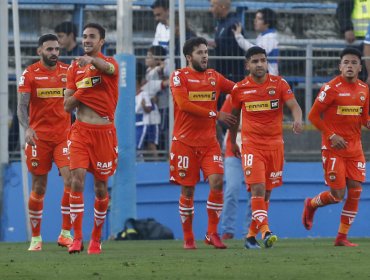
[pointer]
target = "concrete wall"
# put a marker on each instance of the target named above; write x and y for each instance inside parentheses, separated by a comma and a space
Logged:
(158, 199)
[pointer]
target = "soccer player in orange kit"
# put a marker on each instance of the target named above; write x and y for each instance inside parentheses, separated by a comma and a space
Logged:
(195, 90)
(261, 97)
(340, 109)
(40, 112)
(92, 88)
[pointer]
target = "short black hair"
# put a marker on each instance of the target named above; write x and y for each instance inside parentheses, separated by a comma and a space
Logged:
(98, 27)
(269, 17)
(158, 51)
(350, 50)
(191, 43)
(47, 37)
(66, 27)
(160, 4)
(254, 50)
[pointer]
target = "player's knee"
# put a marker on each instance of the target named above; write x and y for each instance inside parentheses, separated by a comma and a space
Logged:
(77, 184)
(354, 193)
(336, 197)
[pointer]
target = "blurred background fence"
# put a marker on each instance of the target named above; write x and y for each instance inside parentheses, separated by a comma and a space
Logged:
(309, 46)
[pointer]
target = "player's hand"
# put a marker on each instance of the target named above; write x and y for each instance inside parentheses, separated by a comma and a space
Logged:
(297, 127)
(31, 137)
(227, 118)
(338, 142)
(238, 29)
(84, 60)
(236, 151)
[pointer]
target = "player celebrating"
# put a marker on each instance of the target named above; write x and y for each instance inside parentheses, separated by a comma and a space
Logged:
(195, 91)
(261, 97)
(46, 124)
(340, 109)
(92, 87)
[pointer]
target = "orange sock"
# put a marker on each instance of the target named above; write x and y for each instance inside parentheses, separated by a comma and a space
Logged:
(259, 213)
(186, 210)
(100, 212)
(214, 209)
(322, 199)
(76, 202)
(35, 208)
(253, 228)
(65, 209)
(350, 209)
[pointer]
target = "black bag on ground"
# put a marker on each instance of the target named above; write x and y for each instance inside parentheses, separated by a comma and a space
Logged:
(144, 229)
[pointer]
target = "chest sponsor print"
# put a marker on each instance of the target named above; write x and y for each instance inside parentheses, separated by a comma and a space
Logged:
(50, 92)
(349, 110)
(264, 105)
(202, 95)
(89, 82)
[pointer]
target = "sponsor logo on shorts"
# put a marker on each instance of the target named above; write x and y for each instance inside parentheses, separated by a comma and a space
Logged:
(265, 105)
(202, 95)
(34, 163)
(349, 110)
(274, 175)
(104, 165)
(217, 158)
(361, 165)
(248, 171)
(50, 92)
(89, 82)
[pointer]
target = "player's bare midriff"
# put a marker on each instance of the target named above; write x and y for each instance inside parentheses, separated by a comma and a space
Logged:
(87, 115)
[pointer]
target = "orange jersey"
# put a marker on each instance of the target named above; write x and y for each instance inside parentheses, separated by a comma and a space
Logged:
(46, 110)
(262, 110)
(344, 107)
(95, 89)
(195, 96)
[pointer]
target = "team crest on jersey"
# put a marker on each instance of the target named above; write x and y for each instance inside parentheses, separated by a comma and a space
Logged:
(212, 81)
(271, 91)
(332, 176)
(362, 97)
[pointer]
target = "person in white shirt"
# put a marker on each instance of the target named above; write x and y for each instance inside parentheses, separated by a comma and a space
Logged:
(161, 15)
(265, 23)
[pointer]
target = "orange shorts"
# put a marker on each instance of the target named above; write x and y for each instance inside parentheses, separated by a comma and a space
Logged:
(93, 147)
(262, 166)
(337, 169)
(40, 157)
(186, 163)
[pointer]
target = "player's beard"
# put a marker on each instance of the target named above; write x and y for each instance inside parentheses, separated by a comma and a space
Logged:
(197, 66)
(49, 62)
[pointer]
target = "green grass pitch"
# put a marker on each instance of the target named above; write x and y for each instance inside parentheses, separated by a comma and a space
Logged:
(289, 259)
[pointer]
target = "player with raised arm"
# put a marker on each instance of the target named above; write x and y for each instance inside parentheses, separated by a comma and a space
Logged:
(340, 109)
(46, 124)
(195, 90)
(92, 88)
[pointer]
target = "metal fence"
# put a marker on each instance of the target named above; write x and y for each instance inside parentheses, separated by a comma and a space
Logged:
(309, 44)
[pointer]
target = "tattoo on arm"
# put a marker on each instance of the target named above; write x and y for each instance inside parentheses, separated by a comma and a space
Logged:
(22, 109)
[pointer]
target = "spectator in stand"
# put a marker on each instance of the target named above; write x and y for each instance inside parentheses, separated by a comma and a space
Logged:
(353, 18)
(367, 54)
(67, 33)
(161, 15)
(225, 43)
(234, 182)
(264, 23)
(146, 110)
